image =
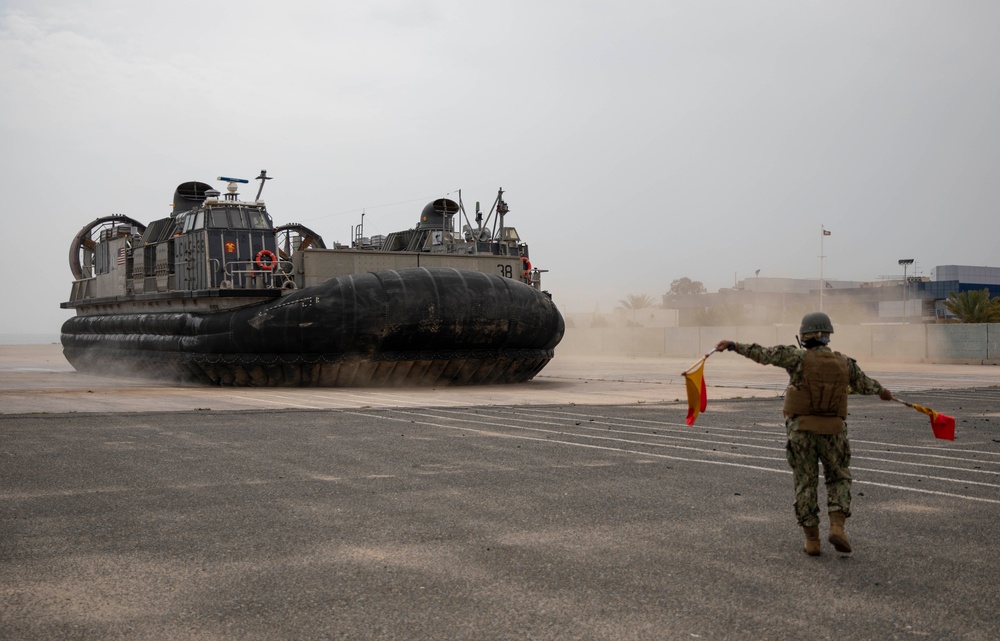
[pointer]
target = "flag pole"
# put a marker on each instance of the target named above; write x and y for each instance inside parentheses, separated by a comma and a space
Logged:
(822, 235)
(698, 362)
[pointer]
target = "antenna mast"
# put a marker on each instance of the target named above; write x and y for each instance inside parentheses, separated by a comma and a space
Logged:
(262, 177)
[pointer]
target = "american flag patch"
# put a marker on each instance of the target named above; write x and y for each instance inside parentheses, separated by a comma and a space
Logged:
(121, 256)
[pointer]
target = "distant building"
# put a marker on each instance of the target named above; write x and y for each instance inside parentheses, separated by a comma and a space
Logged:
(767, 301)
(946, 279)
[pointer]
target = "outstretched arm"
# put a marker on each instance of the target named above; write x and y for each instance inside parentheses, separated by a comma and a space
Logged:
(861, 383)
(784, 356)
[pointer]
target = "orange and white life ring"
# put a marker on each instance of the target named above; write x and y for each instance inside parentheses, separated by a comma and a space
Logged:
(526, 264)
(272, 260)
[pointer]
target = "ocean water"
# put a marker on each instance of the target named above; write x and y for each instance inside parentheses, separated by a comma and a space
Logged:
(28, 339)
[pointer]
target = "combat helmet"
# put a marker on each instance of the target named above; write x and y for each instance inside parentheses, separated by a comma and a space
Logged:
(815, 322)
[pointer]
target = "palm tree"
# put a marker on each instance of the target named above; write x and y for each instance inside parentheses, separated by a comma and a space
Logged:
(637, 301)
(974, 306)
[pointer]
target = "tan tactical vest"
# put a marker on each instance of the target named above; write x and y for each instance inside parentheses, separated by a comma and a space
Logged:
(820, 399)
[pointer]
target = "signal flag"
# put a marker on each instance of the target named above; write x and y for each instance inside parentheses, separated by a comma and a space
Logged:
(694, 381)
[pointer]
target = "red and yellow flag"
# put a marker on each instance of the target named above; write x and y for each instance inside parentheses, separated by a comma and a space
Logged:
(942, 424)
(694, 381)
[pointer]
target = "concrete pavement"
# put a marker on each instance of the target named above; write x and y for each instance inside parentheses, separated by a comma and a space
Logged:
(403, 514)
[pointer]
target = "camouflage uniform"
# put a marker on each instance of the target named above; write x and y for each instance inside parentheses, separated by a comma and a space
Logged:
(805, 450)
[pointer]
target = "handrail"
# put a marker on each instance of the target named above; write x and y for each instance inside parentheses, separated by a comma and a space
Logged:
(248, 275)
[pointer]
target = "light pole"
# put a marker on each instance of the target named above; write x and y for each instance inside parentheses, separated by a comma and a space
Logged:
(905, 262)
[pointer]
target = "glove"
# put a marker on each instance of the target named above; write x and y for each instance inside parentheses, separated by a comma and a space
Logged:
(885, 395)
(725, 345)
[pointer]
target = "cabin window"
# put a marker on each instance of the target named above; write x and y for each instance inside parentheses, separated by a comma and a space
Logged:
(217, 219)
(193, 221)
(259, 220)
(238, 219)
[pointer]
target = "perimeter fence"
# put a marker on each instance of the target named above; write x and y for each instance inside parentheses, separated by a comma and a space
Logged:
(947, 343)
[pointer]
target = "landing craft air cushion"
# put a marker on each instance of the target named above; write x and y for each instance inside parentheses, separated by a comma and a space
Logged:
(214, 293)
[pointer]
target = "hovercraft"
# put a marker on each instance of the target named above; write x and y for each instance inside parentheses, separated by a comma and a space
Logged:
(214, 293)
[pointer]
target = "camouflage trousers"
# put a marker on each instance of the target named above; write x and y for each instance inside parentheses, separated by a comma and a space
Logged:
(804, 452)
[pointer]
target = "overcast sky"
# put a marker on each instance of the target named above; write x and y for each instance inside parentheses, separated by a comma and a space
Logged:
(637, 141)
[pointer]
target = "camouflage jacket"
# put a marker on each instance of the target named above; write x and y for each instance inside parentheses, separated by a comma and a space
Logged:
(791, 358)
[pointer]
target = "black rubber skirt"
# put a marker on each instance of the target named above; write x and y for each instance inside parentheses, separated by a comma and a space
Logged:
(409, 327)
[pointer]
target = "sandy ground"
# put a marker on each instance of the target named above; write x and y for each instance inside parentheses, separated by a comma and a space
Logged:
(36, 378)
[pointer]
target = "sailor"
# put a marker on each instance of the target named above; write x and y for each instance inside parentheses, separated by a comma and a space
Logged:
(815, 409)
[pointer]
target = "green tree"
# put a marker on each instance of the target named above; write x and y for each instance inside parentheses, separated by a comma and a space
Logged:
(974, 306)
(687, 286)
(637, 301)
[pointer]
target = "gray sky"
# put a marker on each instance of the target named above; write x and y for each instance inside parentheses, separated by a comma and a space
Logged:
(638, 141)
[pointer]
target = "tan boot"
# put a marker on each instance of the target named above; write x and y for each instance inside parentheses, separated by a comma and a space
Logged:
(812, 540)
(837, 535)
